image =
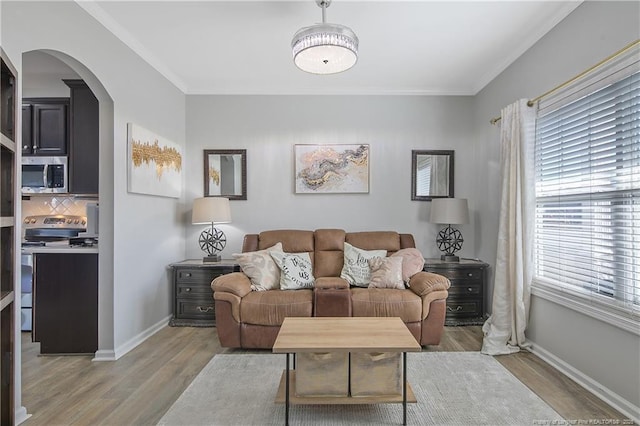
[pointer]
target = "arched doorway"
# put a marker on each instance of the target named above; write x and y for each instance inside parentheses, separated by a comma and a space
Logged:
(43, 67)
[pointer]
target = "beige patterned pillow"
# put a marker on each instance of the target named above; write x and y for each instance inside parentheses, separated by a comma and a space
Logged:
(356, 264)
(386, 272)
(260, 268)
(295, 270)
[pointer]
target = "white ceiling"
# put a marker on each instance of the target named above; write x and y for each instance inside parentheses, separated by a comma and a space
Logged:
(406, 47)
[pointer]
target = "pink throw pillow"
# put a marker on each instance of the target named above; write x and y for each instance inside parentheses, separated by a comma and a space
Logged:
(412, 262)
(386, 272)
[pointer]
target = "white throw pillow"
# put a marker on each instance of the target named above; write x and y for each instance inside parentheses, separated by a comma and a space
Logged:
(260, 268)
(356, 264)
(296, 270)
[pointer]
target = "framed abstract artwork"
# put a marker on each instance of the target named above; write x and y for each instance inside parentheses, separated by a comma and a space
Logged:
(331, 169)
(154, 163)
(225, 173)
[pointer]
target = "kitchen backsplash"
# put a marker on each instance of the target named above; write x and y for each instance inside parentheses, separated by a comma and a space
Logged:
(43, 205)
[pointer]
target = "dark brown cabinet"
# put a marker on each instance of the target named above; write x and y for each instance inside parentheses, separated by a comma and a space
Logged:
(193, 297)
(7, 101)
(8, 275)
(465, 304)
(65, 305)
(45, 126)
(83, 139)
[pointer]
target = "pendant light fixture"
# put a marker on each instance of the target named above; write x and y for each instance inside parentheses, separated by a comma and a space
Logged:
(325, 48)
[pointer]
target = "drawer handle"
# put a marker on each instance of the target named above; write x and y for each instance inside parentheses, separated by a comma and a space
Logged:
(470, 289)
(470, 274)
(187, 274)
(205, 309)
(458, 308)
(188, 289)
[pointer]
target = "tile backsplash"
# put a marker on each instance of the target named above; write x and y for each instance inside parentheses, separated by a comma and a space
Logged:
(42, 205)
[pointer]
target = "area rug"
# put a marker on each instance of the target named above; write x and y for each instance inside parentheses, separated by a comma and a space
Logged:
(452, 388)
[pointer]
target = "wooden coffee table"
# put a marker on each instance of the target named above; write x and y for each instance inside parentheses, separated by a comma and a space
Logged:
(349, 334)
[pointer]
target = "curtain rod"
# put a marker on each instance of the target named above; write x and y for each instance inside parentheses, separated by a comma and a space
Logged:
(533, 101)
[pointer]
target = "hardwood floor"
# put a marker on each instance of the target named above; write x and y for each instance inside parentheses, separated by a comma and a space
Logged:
(141, 386)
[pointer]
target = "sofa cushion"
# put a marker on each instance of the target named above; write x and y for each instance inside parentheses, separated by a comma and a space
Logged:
(356, 268)
(260, 268)
(374, 240)
(386, 272)
(412, 262)
(329, 254)
(296, 271)
(386, 302)
(271, 307)
(293, 241)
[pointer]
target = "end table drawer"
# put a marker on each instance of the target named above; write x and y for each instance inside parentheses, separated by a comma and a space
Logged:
(196, 275)
(459, 308)
(194, 290)
(196, 309)
(465, 288)
(462, 273)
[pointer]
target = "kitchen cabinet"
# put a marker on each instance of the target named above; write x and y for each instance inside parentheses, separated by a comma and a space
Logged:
(83, 139)
(65, 302)
(46, 121)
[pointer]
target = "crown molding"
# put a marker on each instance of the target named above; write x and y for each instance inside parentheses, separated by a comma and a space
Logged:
(98, 13)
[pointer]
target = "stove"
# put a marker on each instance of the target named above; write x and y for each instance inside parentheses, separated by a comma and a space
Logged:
(44, 229)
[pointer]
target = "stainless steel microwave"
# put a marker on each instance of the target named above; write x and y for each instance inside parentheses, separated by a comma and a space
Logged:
(41, 175)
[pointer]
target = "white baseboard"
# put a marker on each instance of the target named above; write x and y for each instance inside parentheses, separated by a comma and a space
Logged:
(21, 415)
(602, 392)
(104, 355)
(120, 351)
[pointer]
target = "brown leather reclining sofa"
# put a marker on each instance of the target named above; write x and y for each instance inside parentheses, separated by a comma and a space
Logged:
(251, 319)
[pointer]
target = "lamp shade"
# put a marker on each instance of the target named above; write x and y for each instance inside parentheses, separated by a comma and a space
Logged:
(452, 211)
(211, 210)
(325, 48)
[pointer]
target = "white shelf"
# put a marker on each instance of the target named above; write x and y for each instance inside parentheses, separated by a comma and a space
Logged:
(7, 221)
(5, 299)
(5, 141)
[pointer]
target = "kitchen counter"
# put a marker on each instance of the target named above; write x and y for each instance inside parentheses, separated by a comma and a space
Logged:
(59, 249)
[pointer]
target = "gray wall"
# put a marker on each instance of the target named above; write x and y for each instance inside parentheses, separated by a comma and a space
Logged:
(594, 352)
(139, 234)
(268, 127)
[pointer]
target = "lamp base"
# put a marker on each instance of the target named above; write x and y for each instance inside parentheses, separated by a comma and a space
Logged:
(212, 258)
(449, 258)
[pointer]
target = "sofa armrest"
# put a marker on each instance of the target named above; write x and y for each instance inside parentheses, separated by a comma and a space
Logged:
(236, 283)
(233, 300)
(424, 283)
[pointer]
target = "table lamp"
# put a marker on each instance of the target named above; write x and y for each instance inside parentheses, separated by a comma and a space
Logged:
(211, 210)
(450, 211)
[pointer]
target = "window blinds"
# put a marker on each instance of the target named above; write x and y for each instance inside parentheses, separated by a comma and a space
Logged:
(423, 177)
(587, 222)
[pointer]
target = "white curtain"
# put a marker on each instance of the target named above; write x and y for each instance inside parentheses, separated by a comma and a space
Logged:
(504, 330)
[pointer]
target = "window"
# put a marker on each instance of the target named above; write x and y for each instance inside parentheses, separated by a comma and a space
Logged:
(423, 175)
(587, 222)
